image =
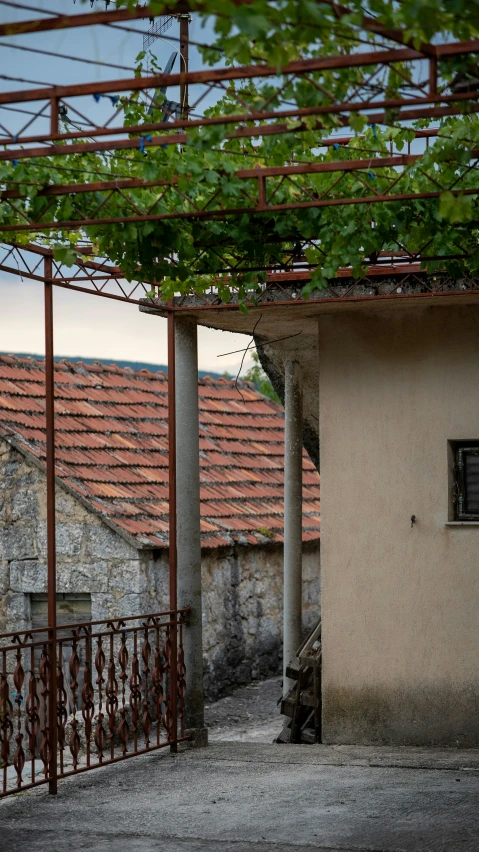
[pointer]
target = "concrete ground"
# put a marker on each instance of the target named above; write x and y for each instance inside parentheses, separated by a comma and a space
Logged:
(250, 714)
(253, 797)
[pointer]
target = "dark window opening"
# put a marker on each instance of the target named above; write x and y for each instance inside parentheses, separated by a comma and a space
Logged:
(71, 609)
(466, 481)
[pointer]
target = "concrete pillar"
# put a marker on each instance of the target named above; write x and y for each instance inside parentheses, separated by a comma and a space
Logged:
(188, 519)
(293, 514)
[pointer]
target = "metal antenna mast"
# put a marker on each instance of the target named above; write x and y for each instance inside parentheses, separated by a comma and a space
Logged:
(184, 62)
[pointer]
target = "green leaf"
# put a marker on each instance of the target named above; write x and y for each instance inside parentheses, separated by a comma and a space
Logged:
(357, 121)
(64, 254)
(455, 208)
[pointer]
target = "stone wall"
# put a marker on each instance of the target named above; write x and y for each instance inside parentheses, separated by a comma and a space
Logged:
(242, 586)
(91, 558)
(243, 611)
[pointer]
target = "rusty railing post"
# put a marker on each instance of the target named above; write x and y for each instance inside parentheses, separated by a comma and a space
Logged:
(51, 544)
(173, 579)
(184, 63)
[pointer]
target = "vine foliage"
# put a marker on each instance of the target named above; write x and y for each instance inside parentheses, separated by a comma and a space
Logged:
(234, 250)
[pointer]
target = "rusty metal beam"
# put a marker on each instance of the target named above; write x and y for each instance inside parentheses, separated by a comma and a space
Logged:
(181, 124)
(423, 110)
(51, 543)
(296, 303)
(244, 72)
(374, 26)
(62, 22)
(87, 19)
(258, 172)
(207, 215)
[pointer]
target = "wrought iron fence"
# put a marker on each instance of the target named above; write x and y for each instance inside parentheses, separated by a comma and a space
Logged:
(120, 691)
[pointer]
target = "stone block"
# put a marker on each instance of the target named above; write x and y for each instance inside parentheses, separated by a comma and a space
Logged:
(4, 577)
(103, 606)
(268, 635)
(68, 508)
(157, 573)
(130, 605)
(4, 505)
(69, 539)
(102, 542)
(17, 542)
(17, 608)
(126, 577)
(11, 468)
(24, 504)
(28, 576)
(79, 577)
(246, 591)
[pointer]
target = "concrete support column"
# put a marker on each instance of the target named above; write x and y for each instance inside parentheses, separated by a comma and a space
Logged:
(188, 519)
(293, 514)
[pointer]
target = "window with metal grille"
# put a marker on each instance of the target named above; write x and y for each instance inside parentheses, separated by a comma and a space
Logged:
(466, 481)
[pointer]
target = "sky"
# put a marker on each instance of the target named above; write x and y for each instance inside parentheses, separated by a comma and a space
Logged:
(93, 327)
(85, 325)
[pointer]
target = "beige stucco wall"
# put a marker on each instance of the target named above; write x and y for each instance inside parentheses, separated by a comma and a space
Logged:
(400, 605)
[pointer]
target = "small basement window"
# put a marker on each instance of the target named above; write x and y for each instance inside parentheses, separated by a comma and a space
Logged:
(71, 609)
(465, 490)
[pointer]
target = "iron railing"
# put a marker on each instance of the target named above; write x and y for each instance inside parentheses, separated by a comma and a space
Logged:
(115, 696)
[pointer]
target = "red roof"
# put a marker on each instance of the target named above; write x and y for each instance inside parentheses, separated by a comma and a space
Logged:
(112, 449)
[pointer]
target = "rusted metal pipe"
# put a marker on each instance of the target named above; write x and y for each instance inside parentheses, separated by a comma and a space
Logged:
(205, 215)
(423, 110)
(51, 542)
(62, 22)
(246, 72)
(184, 63)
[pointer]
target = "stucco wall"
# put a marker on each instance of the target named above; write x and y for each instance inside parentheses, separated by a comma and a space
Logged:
(400, 604)
(242, 587)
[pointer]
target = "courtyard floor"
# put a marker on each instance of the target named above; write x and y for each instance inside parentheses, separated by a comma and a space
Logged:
(245, 794)
(250, 797)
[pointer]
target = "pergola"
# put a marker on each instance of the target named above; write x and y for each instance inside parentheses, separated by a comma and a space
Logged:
(392, 275)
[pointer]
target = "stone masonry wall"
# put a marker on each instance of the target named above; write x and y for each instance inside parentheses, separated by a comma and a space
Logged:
(242, 586)
(91, 558)
(243, 611)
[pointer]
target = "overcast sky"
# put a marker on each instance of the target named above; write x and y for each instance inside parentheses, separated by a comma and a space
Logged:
(94, 327)
(85, 325)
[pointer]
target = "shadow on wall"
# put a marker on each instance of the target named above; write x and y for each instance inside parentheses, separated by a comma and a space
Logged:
(243, 612)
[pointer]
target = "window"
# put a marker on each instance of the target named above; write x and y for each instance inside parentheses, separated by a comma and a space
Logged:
(71, 609)
(466, 481)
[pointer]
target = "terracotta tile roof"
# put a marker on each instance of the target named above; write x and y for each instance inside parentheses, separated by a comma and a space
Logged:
(112, 449)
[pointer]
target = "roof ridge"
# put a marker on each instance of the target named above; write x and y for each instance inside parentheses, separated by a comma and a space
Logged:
(13, 360)
(81, 367)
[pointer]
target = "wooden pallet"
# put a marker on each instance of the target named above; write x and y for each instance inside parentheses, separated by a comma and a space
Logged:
(302, 704)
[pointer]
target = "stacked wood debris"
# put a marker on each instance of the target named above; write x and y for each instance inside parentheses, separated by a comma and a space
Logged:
(302, 703)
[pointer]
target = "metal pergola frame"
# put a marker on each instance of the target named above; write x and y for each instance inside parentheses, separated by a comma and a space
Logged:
(99, 277)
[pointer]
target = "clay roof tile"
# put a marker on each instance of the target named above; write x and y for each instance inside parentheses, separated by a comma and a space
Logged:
(112, 448)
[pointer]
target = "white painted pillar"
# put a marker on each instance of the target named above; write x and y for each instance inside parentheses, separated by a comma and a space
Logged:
(188, 519)
(293, 514)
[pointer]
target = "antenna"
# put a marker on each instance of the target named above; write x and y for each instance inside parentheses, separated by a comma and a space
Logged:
(157, 28)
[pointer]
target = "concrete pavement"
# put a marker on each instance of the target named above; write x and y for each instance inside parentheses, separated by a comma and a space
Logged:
(253, 797)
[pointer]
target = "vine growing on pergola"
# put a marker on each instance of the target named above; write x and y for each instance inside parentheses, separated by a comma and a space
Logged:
(233, 242)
